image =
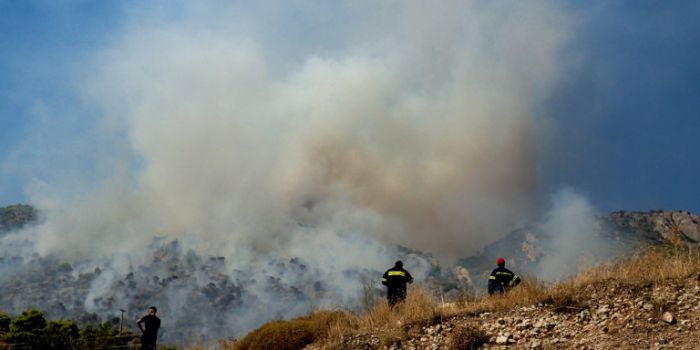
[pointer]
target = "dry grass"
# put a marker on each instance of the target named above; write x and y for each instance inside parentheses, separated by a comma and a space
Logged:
(652, 266)
(292, 334)
(467, 338)
(419, 308)
(530, 291)
(390, 325)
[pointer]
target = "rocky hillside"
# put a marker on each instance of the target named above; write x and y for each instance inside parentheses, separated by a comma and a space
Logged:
(651, 301)
(614, 317)
(672, 226)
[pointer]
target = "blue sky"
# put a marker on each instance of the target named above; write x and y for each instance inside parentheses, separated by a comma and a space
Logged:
(627, 115)
(43, 45)
(630, 139)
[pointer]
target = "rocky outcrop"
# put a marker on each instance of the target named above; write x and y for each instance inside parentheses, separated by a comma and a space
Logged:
(678, 227)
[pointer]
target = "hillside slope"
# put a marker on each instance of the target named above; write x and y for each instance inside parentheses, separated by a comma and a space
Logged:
(648, 301)
(550, 255)
(616, 316)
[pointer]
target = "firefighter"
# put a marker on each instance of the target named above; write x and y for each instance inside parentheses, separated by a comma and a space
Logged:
(502, 279)
(395, 280)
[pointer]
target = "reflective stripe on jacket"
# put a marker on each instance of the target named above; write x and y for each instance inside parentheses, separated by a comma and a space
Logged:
(502, 279)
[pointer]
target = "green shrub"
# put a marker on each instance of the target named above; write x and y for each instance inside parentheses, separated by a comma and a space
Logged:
(25, 330)
(31, 331)
(4, 322)
(104, 336)
(58, 335)
(29, 321)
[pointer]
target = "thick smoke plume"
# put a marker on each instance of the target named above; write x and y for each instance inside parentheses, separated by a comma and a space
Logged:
(418, 133)
(333, 136)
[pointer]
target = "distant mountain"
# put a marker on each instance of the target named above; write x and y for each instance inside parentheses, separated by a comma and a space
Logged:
(678, 227)
(16, 216)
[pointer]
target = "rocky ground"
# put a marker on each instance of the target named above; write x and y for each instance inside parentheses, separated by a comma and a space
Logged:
(610, 316)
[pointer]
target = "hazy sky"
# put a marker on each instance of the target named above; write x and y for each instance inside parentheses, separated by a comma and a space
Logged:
(625, 112)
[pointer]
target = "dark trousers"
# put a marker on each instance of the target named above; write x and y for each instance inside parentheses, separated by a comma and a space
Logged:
(148, 342)
(396, 296)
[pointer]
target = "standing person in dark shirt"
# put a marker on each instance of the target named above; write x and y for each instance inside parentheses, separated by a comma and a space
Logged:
(395, 280)
(151, 324)
(502, 279)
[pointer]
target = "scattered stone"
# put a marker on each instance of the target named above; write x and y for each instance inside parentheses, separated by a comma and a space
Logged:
(668, 318)
(502, 339)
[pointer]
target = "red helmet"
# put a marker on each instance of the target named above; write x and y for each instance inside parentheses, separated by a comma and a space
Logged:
(500, 262)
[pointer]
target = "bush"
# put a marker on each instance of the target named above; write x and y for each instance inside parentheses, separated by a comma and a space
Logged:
(467, 338)
(4, 322)
(58, 335)
(283, 335)
(25, 330)
(31, 330)
(104, 336)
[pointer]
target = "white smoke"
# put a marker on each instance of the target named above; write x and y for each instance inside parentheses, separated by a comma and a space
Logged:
(333, 136)
(575, 242)
(420, 134)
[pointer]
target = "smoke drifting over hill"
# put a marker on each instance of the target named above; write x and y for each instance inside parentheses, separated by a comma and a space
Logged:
(420, 132)
(333, 136)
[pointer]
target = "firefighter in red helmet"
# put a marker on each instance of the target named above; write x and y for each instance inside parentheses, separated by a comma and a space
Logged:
(502, 279)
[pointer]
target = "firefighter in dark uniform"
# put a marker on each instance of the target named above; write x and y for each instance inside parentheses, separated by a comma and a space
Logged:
(502, 279)
(395, 280)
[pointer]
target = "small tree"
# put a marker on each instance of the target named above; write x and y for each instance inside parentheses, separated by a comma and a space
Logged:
(104, 336)
(87, 337)
(25, 330)
(4, 322)
(58, 335)
(31, 330)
